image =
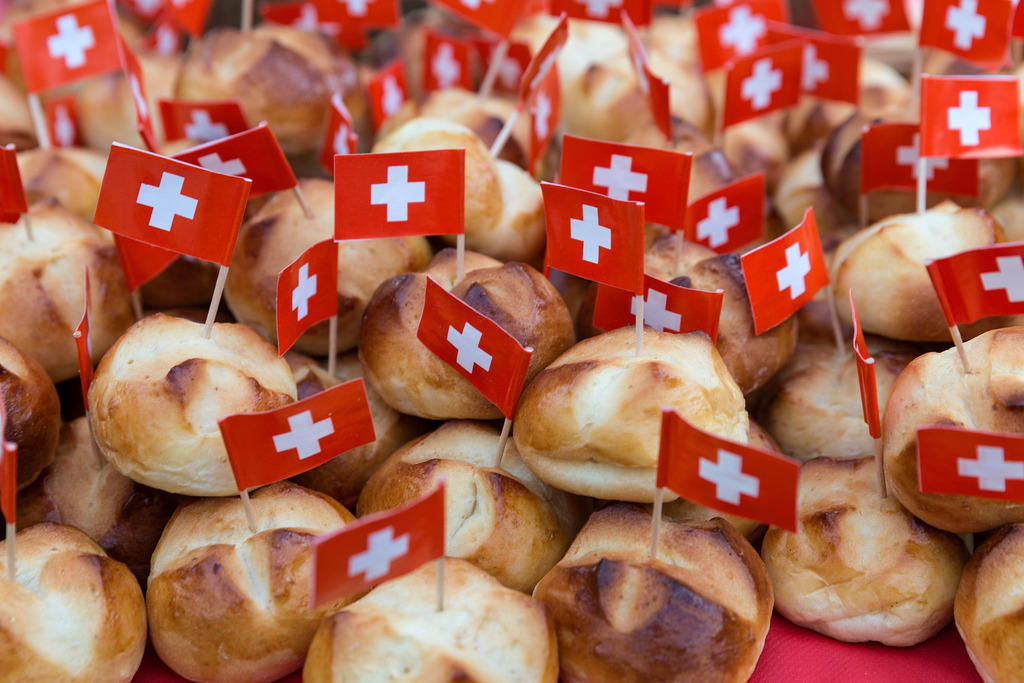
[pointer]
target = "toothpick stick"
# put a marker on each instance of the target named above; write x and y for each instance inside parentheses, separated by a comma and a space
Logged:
(502, 440)
(638, 301)
(864, 211)
(506, 130)
(250, 513)
(880, 465)
(332, 342)
(659, 502)
(136, 299)
(218, 291)
(460, 252)
(35, 108)
(440, 583)
(246, 16)
(12, 568)
(922, 184)
(915, 82)
(837, 328)
(28, 227)
(954, 332)
(302, 202)
(497, 57)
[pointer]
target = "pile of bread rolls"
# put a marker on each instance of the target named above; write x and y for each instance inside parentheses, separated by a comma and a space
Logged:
(130, 528)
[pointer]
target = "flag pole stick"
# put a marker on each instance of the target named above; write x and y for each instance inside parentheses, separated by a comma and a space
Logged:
(954, 332)
(460, 251)
(837, 328)
(12, 569)
(136, 298)
(246, 16)
(332, 342)
(440, 583)
(915, 82)
(659, 501)
(506, 130)
(218, 292)
(28, 227)
(639, 316)
(497, 57)
(35, 108)
(502, 441)
(880, 465)
(922, 183)
(303, 203)
(250, 513)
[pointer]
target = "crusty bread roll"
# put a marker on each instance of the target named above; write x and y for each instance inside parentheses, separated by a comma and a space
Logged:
(861, 567)
(74, 614)
(589, 423)
(415, 381)
(758, 146)
(42, 288)
(72, 175)
(186, 282)
(1010, 214)
(158, 394)
(801, 185)
(699, 611)
(934, 390)
(504, 208)
(988, 606)
(486, 633)
(504, 520)
(15, 118)
(279, 233)
(33, 411)
(230, 604)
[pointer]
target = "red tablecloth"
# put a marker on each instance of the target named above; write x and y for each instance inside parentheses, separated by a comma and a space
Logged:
(793, 654)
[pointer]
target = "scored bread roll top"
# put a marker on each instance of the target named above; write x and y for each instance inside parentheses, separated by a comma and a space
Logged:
(504, 520)
(279, 233)
(72, 175)
(486, 633)
(73, 615)
(860, 567)
(698, 611)
(935, 390)
(158, 394)
(33, 411)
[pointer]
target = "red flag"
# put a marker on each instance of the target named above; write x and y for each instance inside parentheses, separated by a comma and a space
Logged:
(62, 121)
(307, 292)
(639, 11)
(340, 137)
(378, 548)
(726, 476)
(768, 81)
(784, 274)
(12, 193)
(970, 463)
(203, 121)
(253, 154)
(728, 218)
(305, 16)
(496, 16)
(171, 204)
(369, 13)
(865, 375)
(594, 236)
(972, 30)
(387, 91)
(545, 107)
(477, 347)
(965, 116)
(146, 9)
(861, 17)
(399, 194)
(190, 15)
(164, 38)
(654, 88)
(84, 346)
(141, 262)
(725, 33)
(8, 470)
(66, 45)
(143, 115)
(667, 308)
(889, 156)
(831, 64)
(659, 178)
(512, 67)
(445, 63)
(980, 282)
(544, 60)
(1017, 28)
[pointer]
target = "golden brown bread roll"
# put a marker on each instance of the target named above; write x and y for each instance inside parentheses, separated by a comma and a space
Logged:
(699, 611)
(1010, 214)
(279, 233)
(504, 520)
(15, 120)
(33, 411)
(158, 394)
(861, 567)
(415, 381)
(988, 606)
(74, 614)
(71, 175)
(486, 633)
(186, 282)
(42, 288)
(230, 604)
(800, 186)
(934, 390)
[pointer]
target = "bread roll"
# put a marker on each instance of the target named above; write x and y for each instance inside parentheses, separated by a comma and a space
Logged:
(15, 120)
(186, 282)
(800, 186)
(861, 567)
(486, 633)
(71, 175)
(230, 604)
(33, 411)
(158, 394)
(74, 614)
(934, 390)
(699, 611)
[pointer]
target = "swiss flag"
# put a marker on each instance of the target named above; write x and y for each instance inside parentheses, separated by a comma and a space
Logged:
(283, 442)
(654, 88)
(307, 292)
(512, 67)
(544, 60)
(477, 347)
(8, 470)
(726, 476)
(784, 274)
(728, 218)
(146, 9)
(889, 153)
(496, 16)
(445, 63)
(862, 17)
(12, 193)
(545, 107)
(657, 177)
(84, 346)
(667, 308)
(768, 81)
(164, 38)
(62, 121)
(388, 91)
(980, 282)
(865, 375)
(190, 15)
(738, 30)
(67, 45)
(972, 30)
(831, 64)
(304, 15)
(340, 137)
(369, 13)
(970, 463)
(639, 11)
(965, 116)
(378, 547)
(399, 194)
(594, 236)
(143, 115)
(253, 154)
(141, 262)
(171, 204)
(201, 120)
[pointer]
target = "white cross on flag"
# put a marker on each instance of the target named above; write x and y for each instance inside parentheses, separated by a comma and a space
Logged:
(725, 33)
(201, 121)
(377, 548)
(767, 81)
(340, 137)
(974, 30)
(277, 444)
(305, 16)
(171, 204)
(445, 63)
(667, 308)
(307, 292)
(970, 463)
(889, 155)
(861, 17)
(969, 116)
(254, 154)
(831, 64)
(729, 217)
(980, 282)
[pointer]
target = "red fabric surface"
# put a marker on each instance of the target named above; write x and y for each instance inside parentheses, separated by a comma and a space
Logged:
(792, 654)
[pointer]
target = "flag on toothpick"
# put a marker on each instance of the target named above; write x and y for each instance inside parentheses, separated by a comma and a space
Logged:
(164, 38)
(283, 442)
(862, 17)
(654, 88)
(889, 156)
(512, 67)
(12, 193)
(723, 475)
(143, 114)
(737, 30)
(975, 31)
(445, 63)
(980, 282)
(201, 120)
(667, 308)
(970, 116)
(387, 91)
(62, 121)
(84, 346)
(359, 13)
(728, 218)
(959, 461)
(254, 154)
(307, 292)
(639, 11)
(545, 108)
(477, 347)
(378, 547)
(767, 81)
(544, 60)
(341, 137)
(141, 262)
(191, 15)
(865, 376)
(831, 64)
(496, 17)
